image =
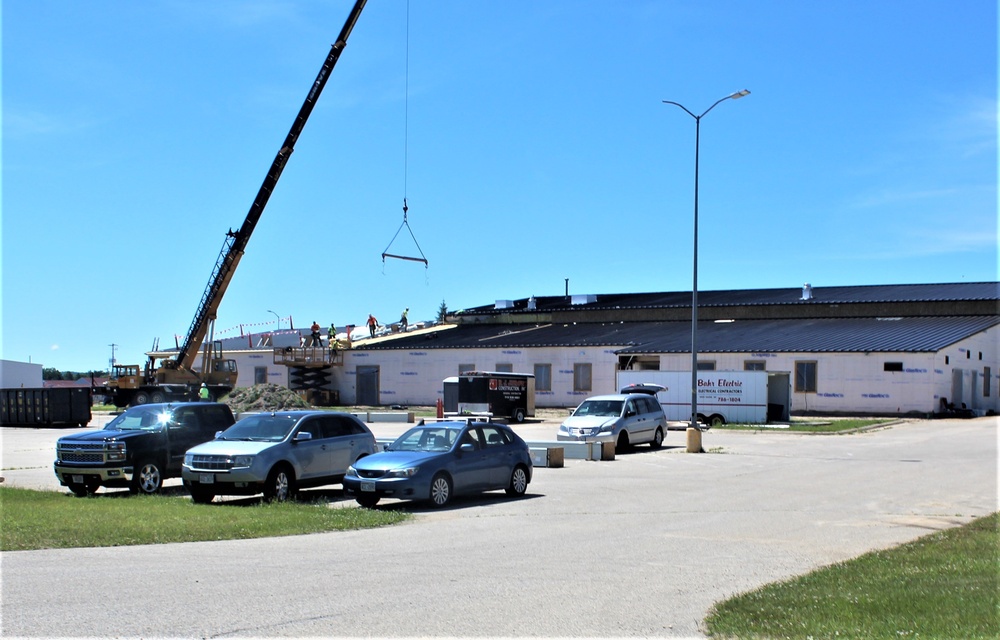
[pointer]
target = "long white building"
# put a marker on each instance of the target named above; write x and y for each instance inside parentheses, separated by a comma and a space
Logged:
(883, 349)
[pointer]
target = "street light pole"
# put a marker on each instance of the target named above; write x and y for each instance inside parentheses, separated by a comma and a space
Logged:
(694, 287)
(277, 320)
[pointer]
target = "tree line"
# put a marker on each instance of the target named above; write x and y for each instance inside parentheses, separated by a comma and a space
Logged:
(51, 373)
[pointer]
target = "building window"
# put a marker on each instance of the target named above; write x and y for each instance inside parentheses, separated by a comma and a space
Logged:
(706, 366)
(582, 376)
(805, 376)
(543, 377)
(462, 368)
(260, 375)
(505, 367)
(947, 359)
(754, 365)
(986, 382)
(892, 366)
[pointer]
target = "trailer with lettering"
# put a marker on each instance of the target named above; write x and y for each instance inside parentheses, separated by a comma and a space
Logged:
(749, 397)
(497, 393)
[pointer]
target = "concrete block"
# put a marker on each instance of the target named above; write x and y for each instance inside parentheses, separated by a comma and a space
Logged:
(694, 440)
(602, 450)
(547, 457)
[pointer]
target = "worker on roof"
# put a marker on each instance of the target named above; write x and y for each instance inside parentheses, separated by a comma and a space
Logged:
(403, 321)
(316, 341)
(372, 324)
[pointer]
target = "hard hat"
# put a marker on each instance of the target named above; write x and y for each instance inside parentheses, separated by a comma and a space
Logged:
(203, 384)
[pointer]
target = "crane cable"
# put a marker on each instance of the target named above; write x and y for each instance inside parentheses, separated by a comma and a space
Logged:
(406, 137)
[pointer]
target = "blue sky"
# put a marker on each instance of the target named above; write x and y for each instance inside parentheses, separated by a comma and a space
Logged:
(532, 146)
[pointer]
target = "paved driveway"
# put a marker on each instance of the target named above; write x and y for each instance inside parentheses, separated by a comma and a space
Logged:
(639, 546)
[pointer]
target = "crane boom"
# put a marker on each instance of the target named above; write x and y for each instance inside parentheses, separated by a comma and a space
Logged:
(235, 243)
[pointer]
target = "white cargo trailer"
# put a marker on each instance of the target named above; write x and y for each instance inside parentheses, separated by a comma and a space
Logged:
(723, 396)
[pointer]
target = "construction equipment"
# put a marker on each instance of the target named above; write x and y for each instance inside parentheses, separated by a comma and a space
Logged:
(176, 377)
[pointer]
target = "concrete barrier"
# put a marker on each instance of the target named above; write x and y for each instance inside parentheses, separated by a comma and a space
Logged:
(389, 416)
(551, 457)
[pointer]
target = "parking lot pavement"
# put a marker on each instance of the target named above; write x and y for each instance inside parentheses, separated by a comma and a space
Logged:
(639, 546)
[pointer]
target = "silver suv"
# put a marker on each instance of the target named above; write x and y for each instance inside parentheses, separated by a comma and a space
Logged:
(625, 419)
(276, 454)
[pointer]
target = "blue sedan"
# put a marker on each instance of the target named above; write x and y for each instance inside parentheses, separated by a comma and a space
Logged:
(440, 460)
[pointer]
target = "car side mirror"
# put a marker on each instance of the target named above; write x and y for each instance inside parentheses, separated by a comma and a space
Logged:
(302, 436)
(218, 434)
(467, 447)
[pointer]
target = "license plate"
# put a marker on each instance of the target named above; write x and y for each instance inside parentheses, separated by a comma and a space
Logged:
(368, 486)
(78, 479)
(206, 478)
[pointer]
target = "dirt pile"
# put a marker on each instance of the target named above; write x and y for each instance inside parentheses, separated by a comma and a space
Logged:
(264, 397)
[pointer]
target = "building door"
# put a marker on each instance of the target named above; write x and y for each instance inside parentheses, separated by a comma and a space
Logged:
(957, 388)
(779, 396)
(368, 385)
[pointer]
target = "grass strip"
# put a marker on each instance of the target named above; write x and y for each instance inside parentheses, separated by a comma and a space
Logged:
(833, 426)
(944, 585)
(32, 519)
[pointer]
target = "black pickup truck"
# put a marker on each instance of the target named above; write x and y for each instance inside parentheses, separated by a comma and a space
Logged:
(140, 448)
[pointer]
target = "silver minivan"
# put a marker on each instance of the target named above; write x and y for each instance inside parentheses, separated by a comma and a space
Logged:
(625, 419)
(276, 454)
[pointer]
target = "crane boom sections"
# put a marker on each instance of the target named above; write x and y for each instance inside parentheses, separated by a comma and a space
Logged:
(235, 243)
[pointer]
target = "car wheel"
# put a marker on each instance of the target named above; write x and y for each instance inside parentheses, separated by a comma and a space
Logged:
(623, 444)
(368, 502)
(280, 485)
(519, 415)
(79, 489)
(518, 481)
(200, 495)
(440, 490)
(157, 397)
(148, 479)
(140, 397)
(657, 439)
(716, 421)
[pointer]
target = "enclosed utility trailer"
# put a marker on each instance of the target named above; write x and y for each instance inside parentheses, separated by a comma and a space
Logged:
(498, 393)
(753, 397)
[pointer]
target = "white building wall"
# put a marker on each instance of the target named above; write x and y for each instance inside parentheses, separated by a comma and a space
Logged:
(20, 375)
(416, 376)
(858, 382)
(846, 382)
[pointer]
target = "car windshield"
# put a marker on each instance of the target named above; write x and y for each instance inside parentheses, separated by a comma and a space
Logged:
(140, 418)
(434, 438)
(262, 428)
(599, 408)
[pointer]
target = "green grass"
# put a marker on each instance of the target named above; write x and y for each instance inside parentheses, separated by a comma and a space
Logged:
(944, 585)
(49, 520)
(819, 426)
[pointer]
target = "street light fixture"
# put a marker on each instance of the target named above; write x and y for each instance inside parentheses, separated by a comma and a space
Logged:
(278, 320)
(694, 288)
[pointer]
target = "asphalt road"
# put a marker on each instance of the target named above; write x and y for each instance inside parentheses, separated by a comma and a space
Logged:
(639, 546)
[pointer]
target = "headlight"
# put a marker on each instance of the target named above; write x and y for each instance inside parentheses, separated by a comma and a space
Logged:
(352, 472)
(408, 472)
(563, 429)
(188, 459)
(242, 461)
(116, 452)
(605, 428)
